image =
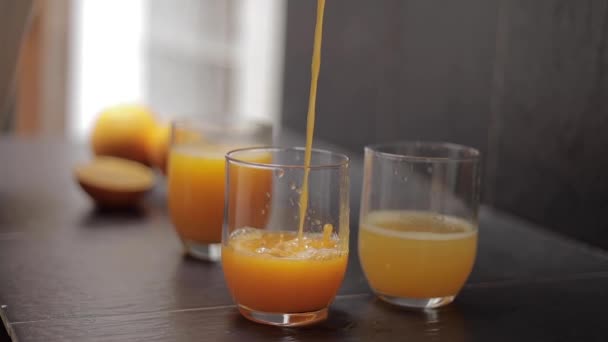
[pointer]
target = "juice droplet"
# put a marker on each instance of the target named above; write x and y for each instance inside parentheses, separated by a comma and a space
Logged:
(268, 195)
(280, 173)
(292, 186)
(263, 212)
(404, 179)
(395, 171)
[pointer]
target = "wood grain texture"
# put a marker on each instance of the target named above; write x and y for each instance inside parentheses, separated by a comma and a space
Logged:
(394, 70)
(551, 138)
(349, 94)
(70, 272)
(542, 311)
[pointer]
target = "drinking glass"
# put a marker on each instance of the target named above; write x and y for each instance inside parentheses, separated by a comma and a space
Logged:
(196, 177)
(277, 276)
(418, 221)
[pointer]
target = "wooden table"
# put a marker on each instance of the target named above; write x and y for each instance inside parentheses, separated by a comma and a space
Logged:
(71, 273)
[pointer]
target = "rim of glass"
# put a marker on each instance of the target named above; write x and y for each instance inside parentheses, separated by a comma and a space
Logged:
(230, 157)
(219, 123)
(470, 153)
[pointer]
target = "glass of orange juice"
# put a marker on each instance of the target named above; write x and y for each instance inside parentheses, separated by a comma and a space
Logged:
(418, 221)
(278, 272)
(196, 177)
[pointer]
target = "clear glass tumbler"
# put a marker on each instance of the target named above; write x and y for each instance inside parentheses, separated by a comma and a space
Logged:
(197, 175)
(418, 221)
(276, 274)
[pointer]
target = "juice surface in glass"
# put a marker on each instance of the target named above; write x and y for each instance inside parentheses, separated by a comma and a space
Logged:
(416, 254)
(197, 173)
(273, 271)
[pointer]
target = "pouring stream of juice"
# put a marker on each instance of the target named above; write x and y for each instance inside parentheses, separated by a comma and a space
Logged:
(310, 120)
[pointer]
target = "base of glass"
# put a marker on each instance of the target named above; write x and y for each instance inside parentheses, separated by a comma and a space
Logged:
(417, 303)
(203, 251)
(284, 319)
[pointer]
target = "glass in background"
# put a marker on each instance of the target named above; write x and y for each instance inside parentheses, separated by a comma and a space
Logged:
(196, 178)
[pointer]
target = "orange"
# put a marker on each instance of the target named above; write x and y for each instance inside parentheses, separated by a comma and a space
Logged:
(159, 140)
(114, 182)
(123, 131)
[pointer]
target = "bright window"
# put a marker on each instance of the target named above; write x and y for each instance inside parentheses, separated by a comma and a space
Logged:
(181, 57)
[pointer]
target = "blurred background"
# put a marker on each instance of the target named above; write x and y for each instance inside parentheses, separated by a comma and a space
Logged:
(523, 81)
(181, 58)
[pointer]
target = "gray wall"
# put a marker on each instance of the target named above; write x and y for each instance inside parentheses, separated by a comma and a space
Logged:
(521, 80)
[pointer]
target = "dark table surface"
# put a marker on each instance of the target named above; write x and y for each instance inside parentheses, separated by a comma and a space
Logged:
(69, 272)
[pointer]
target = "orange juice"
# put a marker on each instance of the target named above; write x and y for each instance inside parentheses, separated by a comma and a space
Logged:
(272, 271)
(414, 254)
(250, 205)
(197, 173)
(287, 272)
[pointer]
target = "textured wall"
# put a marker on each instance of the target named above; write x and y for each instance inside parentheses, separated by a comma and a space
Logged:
(521, 80)
(550, 130)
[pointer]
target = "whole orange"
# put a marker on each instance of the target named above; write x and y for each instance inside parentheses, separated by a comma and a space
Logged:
(158, 146)
(123, 131)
